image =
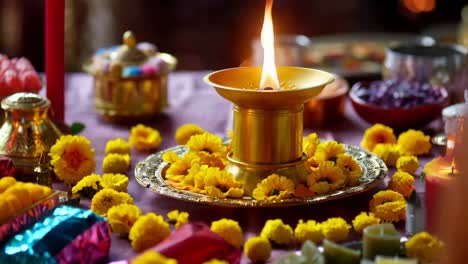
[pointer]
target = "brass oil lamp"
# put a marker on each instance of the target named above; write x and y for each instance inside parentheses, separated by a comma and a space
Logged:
(268, 116)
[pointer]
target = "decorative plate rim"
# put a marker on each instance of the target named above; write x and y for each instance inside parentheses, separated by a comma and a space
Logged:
(149, 174)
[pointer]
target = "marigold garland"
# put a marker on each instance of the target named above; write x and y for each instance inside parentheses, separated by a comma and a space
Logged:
(389, 153)
(388, 205)
(310, 230)
(409, 164)
(276, 231)
(402, 182)
(147, 231)
(425, 247)
(414, 142)
(178, 218)
(118, 146)
(257, 249)
(72, 158)
(184, 132)
(274, 187)
(107, 198)
(230, 230)
(117, 181)
(335, 229)
(377, 134)
(364, 220)
(144, 138)
(122, 217)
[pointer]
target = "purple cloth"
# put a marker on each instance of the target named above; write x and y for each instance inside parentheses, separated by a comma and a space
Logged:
(192, 101)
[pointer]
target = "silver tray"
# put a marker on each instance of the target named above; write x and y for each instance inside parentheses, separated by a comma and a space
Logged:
(150, 174)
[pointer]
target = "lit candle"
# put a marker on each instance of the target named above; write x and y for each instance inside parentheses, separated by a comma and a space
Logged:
(335, 253)
(439, 173)
(54, 56)
(380, 239)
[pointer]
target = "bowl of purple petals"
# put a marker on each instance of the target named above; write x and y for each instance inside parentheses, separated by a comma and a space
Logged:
(399, 104)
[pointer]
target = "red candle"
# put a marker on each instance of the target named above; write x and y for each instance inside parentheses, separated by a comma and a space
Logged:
(54, 56)
(439, 174)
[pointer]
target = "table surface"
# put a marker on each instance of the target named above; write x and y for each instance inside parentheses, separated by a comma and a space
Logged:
(192, 101)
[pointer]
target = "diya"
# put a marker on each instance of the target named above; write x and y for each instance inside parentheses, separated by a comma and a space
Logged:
(268, 115)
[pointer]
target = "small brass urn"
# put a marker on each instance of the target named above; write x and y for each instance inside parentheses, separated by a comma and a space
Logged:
(27, 132)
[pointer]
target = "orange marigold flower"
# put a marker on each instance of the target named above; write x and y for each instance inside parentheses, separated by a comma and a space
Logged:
(388, 205)
(414, 142)
(144, 138)
(389, 153)
(402, 182)
(72, 158)
(274, 187)
(377, 134)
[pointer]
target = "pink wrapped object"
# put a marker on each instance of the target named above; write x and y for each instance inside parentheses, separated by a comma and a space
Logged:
(6, 166)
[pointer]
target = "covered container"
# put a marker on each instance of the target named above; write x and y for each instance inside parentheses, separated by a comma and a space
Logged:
(130, 81)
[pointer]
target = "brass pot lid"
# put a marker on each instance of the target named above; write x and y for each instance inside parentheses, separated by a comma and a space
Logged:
(25, 101)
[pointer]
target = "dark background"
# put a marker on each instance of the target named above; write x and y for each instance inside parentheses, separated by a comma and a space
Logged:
(208, 34)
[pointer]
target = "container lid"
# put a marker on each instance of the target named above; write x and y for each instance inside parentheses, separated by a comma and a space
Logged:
(129, 60)
(25, 101)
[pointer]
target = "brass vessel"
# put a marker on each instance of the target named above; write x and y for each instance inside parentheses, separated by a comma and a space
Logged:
(268, 125)
(27, 132)
(120, 98)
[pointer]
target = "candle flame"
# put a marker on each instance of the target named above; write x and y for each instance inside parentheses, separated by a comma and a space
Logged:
(269, 76)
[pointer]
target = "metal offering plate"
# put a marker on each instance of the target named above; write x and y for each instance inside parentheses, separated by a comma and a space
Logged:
(151, 171)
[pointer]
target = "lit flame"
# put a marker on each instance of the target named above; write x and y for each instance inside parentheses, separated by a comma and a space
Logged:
(269, 76)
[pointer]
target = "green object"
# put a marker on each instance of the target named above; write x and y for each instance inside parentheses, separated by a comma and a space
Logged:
(380, 239)
(77, 128)
(311, 253)
(338, 254)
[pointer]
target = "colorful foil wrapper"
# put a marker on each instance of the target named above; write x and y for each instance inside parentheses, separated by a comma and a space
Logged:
(29, 216)
(68, 235)
(196, 243)
(6, 167)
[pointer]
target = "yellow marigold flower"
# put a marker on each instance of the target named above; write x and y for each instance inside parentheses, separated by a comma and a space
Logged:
(278, 232)
(72, 158)
(313, 164)
(118, 146)
(409, 164)
(257, 249)
(335, 229)
(388, 205)
(106, 198)
(327, 178)
(170, 156)
(425, 247)
(184, 132)
(310, 143)
(329, 151)
(122, 217)
(206, 142)
(401, 182)
(179, 169)
(414, 142)
(230, 230)
(221, 184)
(274, 187)
(389, 153)
(216, 261)
(118, 182)
(144, 138)
(148, 230)
(350, 168)
(6, 182)
(363, 220)
(310, 230)
(178, 218)
(88, 186)
(153, 257)
(115, 163)
(377, 134)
